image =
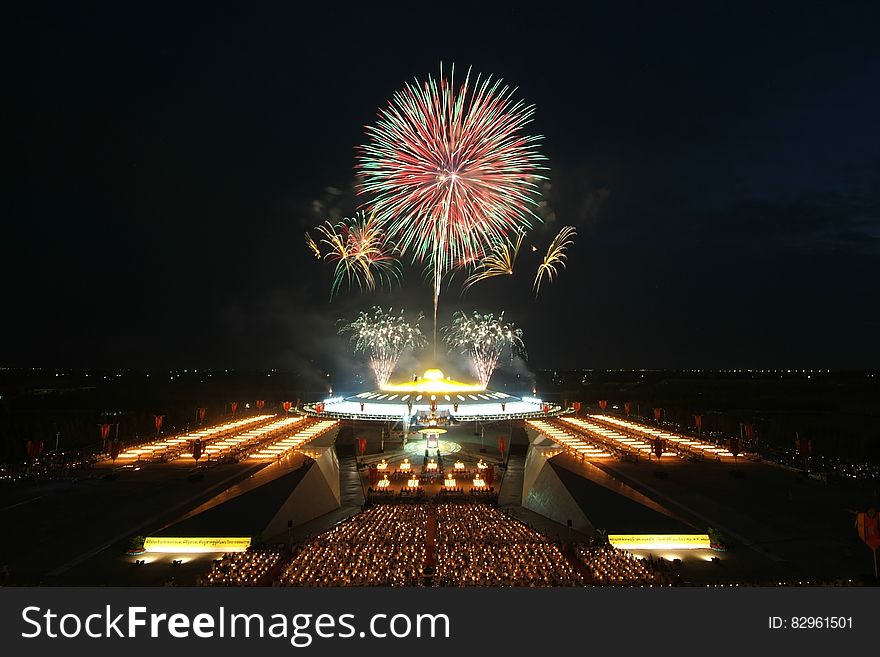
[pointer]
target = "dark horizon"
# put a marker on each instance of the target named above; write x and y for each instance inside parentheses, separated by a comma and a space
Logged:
(364, 364)
(721, 168)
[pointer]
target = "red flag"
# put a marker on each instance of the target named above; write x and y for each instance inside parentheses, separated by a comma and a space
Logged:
(285, 406)
(603, 404)
(698, 420)
(202, 412)
(658, 412)
(260, 403)
(868, 527)
(158, 422)
(576, 406)
(233, 406)
(433, 405)
(626, 407)
(34, 449)
(501, 444)
(105, 431)
(489, 475)
(804, 446)
(319, 407)
(545, 407)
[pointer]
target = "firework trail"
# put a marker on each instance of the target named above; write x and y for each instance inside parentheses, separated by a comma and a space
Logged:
(449, 172)
(383, 337)
(313, 247)
(484, 338)
(361, 250)
(499, 262)
(555, 258)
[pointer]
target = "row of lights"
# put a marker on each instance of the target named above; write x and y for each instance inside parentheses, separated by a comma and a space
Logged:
(624, 441)
(478, 482)
(218, 447)
(685, 441)
(175, 443)
(282, 446)
(575, 443)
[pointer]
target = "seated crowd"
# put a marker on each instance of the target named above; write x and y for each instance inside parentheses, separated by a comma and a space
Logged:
(448, 490)
(477, 545)
(610, 566)
(411, 492)
(472, 544)
(249, 568)
(381, 546)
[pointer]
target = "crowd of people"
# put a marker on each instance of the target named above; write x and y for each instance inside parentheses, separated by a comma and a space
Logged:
(449, 490)
(483, 491)
(609, 566)
(448, 544)
(380, 493)
(477, 545)
(387, 545)
(411, 492)
(382, 546)
(250, 568)
(401, 475)
(463, 474)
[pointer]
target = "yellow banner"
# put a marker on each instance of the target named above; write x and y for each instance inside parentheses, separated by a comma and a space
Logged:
(659, 541)
(196, 544)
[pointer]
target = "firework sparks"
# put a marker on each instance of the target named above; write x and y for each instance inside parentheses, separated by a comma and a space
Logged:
(383, 337)
(555, 258)
(361, 250)
(484, 338)
(499, 262)
(449, 171)
(313, 246)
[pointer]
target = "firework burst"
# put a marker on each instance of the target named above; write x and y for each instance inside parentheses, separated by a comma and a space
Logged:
(449, 172)
(555, 257)
(383, 337)
(498, 262)
(484, 338)
(362, 253)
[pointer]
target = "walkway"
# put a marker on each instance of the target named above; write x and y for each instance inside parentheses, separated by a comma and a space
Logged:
(431, 539)
(510, 492)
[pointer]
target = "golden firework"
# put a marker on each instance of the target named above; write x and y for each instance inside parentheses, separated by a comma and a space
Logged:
(499, 262)
(555, 257)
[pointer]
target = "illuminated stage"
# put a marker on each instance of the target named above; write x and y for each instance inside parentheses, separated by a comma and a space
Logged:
(418, 447)
(432, 395)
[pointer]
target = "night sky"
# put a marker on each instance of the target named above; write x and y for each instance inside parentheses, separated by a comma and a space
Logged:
(722, 167)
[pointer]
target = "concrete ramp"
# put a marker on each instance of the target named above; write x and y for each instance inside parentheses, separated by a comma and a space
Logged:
(563, 488)
(318, 493)
(543, 492)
